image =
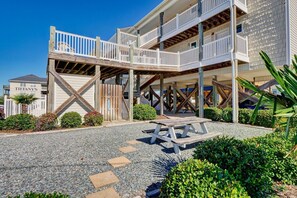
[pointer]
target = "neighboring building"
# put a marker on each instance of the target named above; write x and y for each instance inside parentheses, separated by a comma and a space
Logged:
(29, 84)
(182, 43)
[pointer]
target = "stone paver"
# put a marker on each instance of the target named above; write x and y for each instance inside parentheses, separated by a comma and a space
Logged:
(107, 193)
(119, 162)
(103, 179)
(128, 149)
(133, 142)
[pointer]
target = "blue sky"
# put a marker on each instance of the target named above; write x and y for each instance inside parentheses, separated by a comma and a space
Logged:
(24, 28)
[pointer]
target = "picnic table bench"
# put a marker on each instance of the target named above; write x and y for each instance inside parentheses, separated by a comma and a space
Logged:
(186, 124)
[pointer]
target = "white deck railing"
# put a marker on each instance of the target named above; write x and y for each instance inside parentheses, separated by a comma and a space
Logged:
(210, 5)
(145, 56)
(217, 48)
(189, 57)
(150, 36)
(242, 45)
(127, 39)
(242, 2)
(75, 44)
(84, 46)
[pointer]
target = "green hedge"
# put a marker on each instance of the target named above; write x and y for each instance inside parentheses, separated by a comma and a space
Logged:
(264, 117)
(195, 178)
(227, 115)
(246, 162)
(144, 112)
(93, 119)
(71, 120)
(215, 114)
(282, 167)
(1, 124)
(20, 122)
(45, 122)
(42, 195)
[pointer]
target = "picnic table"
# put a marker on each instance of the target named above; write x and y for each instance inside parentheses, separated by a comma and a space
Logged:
(186, 124)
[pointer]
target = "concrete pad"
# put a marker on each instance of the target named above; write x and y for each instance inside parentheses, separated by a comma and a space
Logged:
(133, 142)
(103, 179)
(119, 162)
(107, 193)
(127, 149)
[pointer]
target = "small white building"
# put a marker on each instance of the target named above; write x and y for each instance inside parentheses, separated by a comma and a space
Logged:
(29, 84)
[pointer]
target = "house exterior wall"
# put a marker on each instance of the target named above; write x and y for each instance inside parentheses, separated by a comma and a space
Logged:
(25, 88)
(293, 26)
(62, 94)
(265, 26)
(266, 30)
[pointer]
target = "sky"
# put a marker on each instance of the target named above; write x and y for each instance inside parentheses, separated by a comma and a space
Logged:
(25, 25)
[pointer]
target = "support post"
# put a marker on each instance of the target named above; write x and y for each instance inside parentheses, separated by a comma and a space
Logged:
(138, 88)
(201, 72)
(161, 94)
(215, 93)
(151, 97)
(131, 94)
(138, 39)
(174, 97)
(235, 105)
(97, 90)
(197, 96)
(51, 87)
(161, 31)
(52, 41)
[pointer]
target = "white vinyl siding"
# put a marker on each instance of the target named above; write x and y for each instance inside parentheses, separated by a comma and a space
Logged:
(62, 94)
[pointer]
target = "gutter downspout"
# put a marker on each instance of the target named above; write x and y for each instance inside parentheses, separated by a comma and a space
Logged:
(288, 34)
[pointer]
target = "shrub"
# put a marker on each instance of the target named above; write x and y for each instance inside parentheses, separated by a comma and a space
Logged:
(2, 115)
(1, 124)
(282, 168)
(46, 122)
(20, 122)
(264, 118)
(42, 195)
(195, 178)
(144, 112)
(93, 119)
(71, 120)
(215, 114)
(227, 115)
(247, 163)
(244, 116)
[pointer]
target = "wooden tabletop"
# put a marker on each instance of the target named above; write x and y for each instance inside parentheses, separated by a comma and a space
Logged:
(180, 121)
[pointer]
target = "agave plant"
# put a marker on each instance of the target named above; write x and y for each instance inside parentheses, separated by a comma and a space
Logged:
(283, 105)
(24, 100)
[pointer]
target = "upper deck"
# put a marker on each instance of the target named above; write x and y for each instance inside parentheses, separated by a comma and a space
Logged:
(67, 47)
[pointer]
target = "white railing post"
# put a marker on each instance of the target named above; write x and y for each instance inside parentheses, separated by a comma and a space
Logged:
(177, 21)
(247, 45)
(178, 58)
(98, 43)
(158, 57)
(131, 53)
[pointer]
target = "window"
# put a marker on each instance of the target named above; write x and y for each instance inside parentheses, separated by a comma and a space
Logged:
(23, 84)
(193, 45)
(239, 28)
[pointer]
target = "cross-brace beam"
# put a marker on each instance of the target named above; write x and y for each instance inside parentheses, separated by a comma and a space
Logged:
(185, 99)
(75, 94)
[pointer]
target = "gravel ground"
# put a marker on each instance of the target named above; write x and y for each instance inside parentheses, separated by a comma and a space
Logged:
(64, 161)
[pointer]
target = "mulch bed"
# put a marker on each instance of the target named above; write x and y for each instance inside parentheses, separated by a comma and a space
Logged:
(289, 192)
